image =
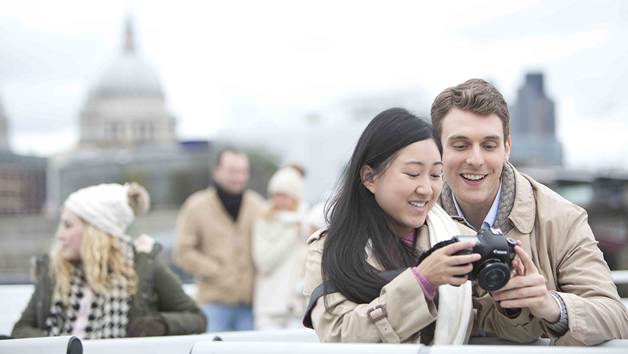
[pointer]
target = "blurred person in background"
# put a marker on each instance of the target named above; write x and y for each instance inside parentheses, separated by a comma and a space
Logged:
(566, 289)
(96, 283)
(279, 250)
(214, 243)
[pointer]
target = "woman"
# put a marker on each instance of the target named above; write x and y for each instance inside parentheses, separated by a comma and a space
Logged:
(97, 284)
(382, 218)
(278, 239)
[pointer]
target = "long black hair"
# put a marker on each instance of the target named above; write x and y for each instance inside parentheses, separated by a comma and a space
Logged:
(354, 217)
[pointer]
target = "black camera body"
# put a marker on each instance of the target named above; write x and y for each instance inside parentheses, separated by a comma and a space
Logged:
(492, 271)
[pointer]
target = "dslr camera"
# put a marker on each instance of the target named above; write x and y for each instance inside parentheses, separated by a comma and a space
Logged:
(492, 271)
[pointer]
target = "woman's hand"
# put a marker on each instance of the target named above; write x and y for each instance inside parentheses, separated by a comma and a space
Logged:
(440, 267)
(147, 326)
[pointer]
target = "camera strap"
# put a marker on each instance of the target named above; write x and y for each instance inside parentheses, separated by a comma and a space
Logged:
(434, 248)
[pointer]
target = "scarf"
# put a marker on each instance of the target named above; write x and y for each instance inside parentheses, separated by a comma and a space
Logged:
(454, 303)
(108, 316)
(506, 201)
(230, 202)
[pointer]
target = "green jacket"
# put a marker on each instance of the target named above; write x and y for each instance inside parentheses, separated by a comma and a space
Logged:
(159, 292)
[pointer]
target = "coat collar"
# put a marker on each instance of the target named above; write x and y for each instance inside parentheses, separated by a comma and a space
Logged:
(523, 213)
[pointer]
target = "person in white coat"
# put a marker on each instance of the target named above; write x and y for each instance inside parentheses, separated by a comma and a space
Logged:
(279, 247)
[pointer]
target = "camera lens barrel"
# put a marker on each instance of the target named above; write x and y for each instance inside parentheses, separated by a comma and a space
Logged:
(493, 275)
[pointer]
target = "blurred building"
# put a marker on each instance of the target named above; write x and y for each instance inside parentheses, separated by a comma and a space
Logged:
(126, 107)
(170, 174)
(22, 178)
(4, 140)
(22, 183)
(537, 152)
(127, 134)
(533, 126)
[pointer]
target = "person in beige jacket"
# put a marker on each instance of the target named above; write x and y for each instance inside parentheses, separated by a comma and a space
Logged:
(565, 289)
(214, 243)
(382, 218)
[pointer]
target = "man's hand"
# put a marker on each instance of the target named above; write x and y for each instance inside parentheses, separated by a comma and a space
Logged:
(516, 267)
(528, 290)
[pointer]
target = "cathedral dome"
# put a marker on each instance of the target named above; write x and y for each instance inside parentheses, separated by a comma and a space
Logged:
(126, 107)
(128, 75)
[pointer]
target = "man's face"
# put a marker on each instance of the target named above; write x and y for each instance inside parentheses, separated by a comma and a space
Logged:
(473, 156)
(232, 174)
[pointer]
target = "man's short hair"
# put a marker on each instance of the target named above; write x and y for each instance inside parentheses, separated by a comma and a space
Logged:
(223, 151)
(474, 95)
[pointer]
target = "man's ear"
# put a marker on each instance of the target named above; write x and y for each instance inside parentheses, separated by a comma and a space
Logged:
(507, 147)
(366, 174)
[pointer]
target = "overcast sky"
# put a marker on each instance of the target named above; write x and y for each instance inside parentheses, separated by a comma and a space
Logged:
(286, 58)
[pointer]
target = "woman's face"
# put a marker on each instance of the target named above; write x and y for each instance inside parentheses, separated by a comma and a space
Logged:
(409, 188)
(70, 235)
(283, 202)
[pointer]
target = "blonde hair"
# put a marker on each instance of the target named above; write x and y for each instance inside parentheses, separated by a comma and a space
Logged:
(103, 263)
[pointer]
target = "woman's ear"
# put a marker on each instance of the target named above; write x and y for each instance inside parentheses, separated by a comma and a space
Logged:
(366, 174)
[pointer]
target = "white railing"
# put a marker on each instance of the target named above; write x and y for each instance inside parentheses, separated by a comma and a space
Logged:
(304, 348)
(333, 348)
(301, 341)
(305, 341)
(620, 276)
(47, 345)
(14, 298)
(184, 344)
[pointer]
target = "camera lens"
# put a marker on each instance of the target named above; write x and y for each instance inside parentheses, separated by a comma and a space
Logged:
(493, 276)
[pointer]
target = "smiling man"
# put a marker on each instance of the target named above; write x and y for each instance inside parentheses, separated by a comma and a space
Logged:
(562, 286)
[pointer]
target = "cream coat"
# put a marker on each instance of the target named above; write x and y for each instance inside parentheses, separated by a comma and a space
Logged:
(346, 321)
(216, 248)
(555, 233)
(279, 251)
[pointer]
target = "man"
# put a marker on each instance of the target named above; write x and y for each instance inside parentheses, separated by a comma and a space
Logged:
(214, 243)
(562, 286)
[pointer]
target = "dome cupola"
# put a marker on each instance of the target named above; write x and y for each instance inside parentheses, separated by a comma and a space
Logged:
(128, 74)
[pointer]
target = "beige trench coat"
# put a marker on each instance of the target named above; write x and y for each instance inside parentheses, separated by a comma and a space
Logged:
(407, 312)
(216, 248)
(555, 233)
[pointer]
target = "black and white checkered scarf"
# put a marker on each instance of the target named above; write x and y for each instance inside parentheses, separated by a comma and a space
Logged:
(108, 315)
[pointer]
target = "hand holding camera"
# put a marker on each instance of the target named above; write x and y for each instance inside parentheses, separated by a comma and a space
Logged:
(440, 266)
(528, 290)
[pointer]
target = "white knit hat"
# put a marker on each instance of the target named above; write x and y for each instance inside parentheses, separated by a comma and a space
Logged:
(109, 207)
(287, 180)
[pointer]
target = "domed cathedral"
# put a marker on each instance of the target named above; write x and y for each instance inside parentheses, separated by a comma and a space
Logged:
(126, 107)
(127, 135)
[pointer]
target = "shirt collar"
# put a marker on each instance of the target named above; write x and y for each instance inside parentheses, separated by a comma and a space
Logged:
(490, 218)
